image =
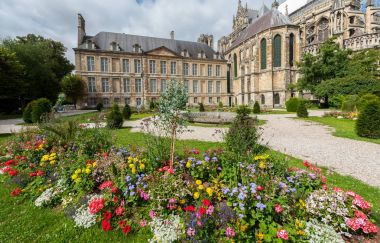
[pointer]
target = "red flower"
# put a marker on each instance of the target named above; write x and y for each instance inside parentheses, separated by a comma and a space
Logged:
(107, 215)
(323, 179)
(33, 174)
(113, 189)
(106, 184)
(16, 192)
(12, 173)
(306, 163)
(96, 205)
(171, 171)
(282, 234)
(105, 154)
(115, 199)
(106, 225)
(10, 162)
(206, 202)
(121, 223)
(260, 188)
(337, 189)
(189, 208)
(278, 208)
(127, 229)
(360, 202)
(119, 211)
(202, 210)
(40, 173)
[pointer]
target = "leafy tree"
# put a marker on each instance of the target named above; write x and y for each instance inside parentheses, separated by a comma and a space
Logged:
(292, 104)
(73, 87)
(243, 110)
(172, 103)
(115, 118)
(44, 64)
(301, 110)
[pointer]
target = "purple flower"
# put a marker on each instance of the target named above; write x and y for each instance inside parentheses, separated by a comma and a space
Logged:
(282, 185)
(242, 196)
(128, 178)
(214, 159)
(260, 206)
(290, 179)
(225, 190)
(312, 176)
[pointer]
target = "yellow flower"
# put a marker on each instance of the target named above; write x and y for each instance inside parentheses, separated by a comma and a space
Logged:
(198, 182)
(94, 164)
(260, 236)
(262, 165)
(196, 195)
(78, 180)
(133, 170)
(243, 227)
(182, 201)
(132, 166)
(201, 187)
(299, 224)
(42, 164)
(52, 162)
(209, 191)
(88, 171)
(78, 171)
(142, 166)
(303, 204)
(188, 164)
(300, 232)
(75, 176)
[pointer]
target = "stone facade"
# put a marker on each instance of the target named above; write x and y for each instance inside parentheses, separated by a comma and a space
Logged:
(117, 71)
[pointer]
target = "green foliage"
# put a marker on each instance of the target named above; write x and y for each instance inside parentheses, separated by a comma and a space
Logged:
(365, 99)
(292, 105)
(152, 105)
(201, 107)
(350, 103)
(115, 118)
(85, 138)
(40, 108)
(336, 101)
(220, 105)
(27, 114)
(256, 108)
(243, 111)
(127, 112)
(73, 86)
(62, 133)
(99, 106)
(302, 110)
(368, 123)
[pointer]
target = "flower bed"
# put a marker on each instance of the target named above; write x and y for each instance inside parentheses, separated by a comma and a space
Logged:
(211, 196)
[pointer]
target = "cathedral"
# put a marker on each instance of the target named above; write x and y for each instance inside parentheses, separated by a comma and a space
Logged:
(265, 44)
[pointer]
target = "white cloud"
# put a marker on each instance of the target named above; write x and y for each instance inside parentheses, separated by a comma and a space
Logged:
(57, 19)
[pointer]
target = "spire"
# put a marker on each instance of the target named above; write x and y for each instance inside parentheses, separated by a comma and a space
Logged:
(246, 6)
(286, 10)
(275, 4)
(239, 4)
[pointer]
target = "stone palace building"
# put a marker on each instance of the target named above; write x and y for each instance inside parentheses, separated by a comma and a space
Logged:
(255, 62)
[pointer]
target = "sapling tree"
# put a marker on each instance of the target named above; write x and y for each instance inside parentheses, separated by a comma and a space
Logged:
(172, 103)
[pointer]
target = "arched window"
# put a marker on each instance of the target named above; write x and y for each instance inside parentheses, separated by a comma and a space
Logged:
(291, 49)
(235, 65)
(263, 51)
(263, 99)
(323, 30)
(276, 99)
(277, 51)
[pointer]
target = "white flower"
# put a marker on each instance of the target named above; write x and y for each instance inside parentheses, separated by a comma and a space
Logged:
(83, 217)
(321, 232)
(166, 230)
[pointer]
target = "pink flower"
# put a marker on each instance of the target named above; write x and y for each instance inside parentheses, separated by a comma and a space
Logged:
(370, 228)
(119, 211)
(282, 234)
(152, 214)
(96, 205)
(143, 223)
(278, 208)
(199, 223)
(230, 233)
(337, 189)
(351, 193)
(210, 210)
(190, 232)
(172, 200)
(106, 184)
(106, 225)
(360, 202)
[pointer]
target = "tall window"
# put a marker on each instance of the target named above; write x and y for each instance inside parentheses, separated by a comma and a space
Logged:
(195, 70)
(126, 65)
(235, 65)
(137, 65)
(195, 86)
(127, 85)
(276, 99)
(153, 86)
(217, 70)
(323, 29)
(218, 87)
(138, 101)
(185, 69)
(152, 66)
(186, 85)
(138, 84)
(291, 50)
(90, 64)
(210, 87)
(209, 70)
(104, 64)
(106, 102)
(173, 68)
(91, 85)
(163, 67)
(277, 51)
(262, 99)
(105, 85)
(163, 85)
(263, 52)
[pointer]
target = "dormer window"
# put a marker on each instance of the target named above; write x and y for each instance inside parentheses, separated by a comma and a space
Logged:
(90, 44)
(136, 48)
(185, 53)
(202, 54)
(114, 46)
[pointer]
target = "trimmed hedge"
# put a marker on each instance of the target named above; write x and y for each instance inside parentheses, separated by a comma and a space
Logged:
(256, 108)
(302, 110)
(292, 104)
(115, 118)
(127, 112)
(368, 123)
(201, 107)
(35, 111)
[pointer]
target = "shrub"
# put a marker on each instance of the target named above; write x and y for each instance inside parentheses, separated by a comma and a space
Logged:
(152, 105)
(365, 99)
(301, 110)
(292, 104)
(40, 108)
(99, 106)
(336, 101)
(350, 103)
(127, 112)
(201, 107)
(368, 123)
(27, 114)
(256, 108)
(220, 105)
(243, 110)
(115, 118)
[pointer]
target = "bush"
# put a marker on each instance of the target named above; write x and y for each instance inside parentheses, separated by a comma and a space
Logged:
(201, 107)
(27, 114)
(40, 108)
(350, 103)
(99, 106)
(302, 111)
(115, 118)
(368, 123)
(220, 105)
(336, 101)
(365, 99)
(256, 108)
(152, 105)
(243, 110)
(127, 112)
(292, 104)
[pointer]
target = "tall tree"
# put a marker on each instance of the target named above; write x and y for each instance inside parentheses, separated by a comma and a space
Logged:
(44, 64)
(73, 87)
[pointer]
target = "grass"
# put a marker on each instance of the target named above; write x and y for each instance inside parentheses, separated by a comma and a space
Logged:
(275, 112)
(343, 128)
(4, 138)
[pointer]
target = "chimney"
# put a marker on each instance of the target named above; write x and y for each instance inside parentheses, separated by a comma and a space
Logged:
(172, 35)
(81, 29)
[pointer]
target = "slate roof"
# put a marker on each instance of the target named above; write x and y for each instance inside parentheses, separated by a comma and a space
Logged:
(271, 19)
(126, 42)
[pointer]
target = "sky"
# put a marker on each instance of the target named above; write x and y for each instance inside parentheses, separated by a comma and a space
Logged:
(57, 19)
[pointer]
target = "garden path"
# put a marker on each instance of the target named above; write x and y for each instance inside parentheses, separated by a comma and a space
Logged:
(308, 141)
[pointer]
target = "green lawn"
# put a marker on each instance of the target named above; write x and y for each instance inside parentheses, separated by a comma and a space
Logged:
(4, 138)
(275, 112)
(343, 128)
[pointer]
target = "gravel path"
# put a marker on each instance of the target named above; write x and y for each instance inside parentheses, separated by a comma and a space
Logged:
(308, 141)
